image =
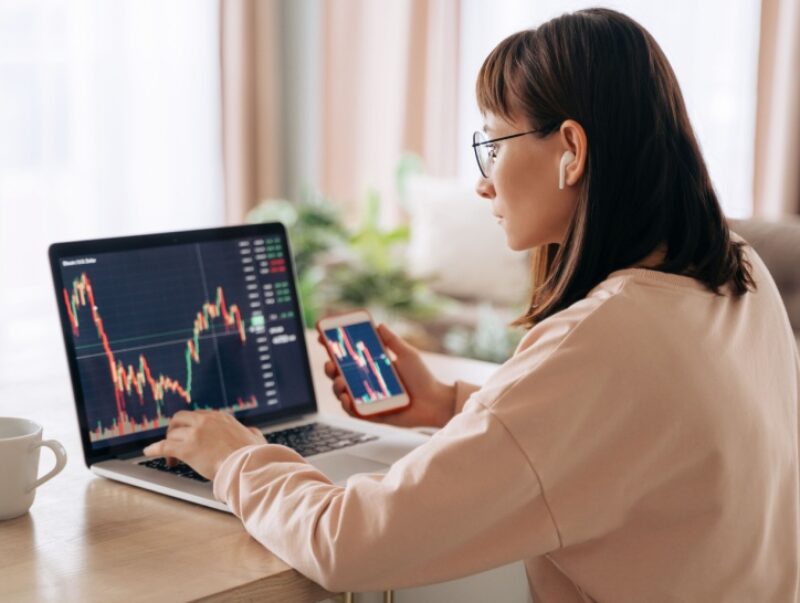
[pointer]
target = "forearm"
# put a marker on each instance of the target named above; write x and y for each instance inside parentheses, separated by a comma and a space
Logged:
(461, 391)
(452, 397)
(426, 520)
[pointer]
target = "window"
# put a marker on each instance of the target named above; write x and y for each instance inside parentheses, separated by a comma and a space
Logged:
(110, 117)
(712, 46)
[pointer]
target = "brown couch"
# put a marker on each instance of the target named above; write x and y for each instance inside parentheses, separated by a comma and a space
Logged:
(778, 244)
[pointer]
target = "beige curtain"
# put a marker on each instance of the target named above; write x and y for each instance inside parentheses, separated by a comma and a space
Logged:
(389, 86)
(250, 63)
(777, 146)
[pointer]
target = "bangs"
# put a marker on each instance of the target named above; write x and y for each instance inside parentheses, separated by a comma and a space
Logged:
(497, 87)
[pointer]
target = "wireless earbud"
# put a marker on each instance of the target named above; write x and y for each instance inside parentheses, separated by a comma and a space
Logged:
(562, 168)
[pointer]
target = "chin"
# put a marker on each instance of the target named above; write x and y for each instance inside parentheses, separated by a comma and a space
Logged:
(519, 244)
(515, 245)
(523, 241)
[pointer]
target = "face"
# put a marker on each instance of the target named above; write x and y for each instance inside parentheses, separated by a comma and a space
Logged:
(523, 182)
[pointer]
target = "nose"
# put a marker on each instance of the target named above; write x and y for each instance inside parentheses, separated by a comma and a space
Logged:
(485, 188)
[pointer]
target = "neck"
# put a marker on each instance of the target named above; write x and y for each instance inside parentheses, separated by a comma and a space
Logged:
(653, 259)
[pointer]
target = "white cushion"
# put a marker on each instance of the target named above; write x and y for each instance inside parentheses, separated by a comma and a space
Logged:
(457, 245)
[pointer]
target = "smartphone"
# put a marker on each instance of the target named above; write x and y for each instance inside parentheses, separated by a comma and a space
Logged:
(356, 348)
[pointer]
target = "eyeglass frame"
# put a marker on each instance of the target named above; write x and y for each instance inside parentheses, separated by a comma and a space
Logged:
(475, 145)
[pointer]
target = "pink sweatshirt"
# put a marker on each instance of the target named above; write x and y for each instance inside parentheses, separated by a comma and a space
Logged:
(640, 446)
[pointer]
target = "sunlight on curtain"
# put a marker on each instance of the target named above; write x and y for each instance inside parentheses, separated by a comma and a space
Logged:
(110, 121)
(712, 46)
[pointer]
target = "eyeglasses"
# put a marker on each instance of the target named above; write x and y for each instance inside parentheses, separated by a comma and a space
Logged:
(485, 151)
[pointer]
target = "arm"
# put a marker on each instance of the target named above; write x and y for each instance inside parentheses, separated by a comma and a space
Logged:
(463, 502)
(463, 391)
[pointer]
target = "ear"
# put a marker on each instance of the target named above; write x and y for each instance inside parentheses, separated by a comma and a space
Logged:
(573, 138)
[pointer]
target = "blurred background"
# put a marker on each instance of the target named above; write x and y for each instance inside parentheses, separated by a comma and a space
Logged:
(349, 120)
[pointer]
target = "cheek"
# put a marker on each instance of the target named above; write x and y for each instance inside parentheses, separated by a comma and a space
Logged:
(521, 188)
(535, 211)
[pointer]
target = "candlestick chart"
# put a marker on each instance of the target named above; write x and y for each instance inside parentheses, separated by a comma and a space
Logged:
(363, 362)
(194, 327)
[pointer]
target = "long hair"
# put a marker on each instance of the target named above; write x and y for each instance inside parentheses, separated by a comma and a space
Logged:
(645, 180)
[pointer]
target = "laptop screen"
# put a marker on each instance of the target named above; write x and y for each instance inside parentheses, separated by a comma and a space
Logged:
(181, 321)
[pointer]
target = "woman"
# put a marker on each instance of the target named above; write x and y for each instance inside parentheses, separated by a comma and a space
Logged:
(642, 442)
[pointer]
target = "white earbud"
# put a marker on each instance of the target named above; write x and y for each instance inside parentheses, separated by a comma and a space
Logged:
(562, 168)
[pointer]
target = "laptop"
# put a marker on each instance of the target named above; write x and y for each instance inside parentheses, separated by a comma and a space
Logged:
(201, 319)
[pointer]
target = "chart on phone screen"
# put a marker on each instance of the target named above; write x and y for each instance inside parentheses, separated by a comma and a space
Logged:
(364, 364)
(201, 326)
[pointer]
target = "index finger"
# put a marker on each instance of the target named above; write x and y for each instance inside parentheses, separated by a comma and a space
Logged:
(184, 418)
(165, 448)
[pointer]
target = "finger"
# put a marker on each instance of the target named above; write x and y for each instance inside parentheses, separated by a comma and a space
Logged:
(347, 404)
(330, 369)
(175, 424)
(339, 386)
(394, 342)
(167, 448)
(184, 418)
(153, 449)
(174, 438)
(199, 414)
(179, 434)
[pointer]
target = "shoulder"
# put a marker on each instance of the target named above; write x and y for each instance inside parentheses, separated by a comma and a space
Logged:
(584, 335)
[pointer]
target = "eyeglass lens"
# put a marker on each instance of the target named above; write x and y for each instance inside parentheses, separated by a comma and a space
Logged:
(482, 152)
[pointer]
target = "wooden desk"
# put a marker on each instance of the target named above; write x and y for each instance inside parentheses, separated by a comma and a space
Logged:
(91, 539)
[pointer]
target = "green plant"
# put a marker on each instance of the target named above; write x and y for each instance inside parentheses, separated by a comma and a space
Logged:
(339, 269)
(314, 225)
(492, 339)
(314, 228)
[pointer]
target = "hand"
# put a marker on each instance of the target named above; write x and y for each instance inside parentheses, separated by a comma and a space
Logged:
(432, 402)
(203, 439)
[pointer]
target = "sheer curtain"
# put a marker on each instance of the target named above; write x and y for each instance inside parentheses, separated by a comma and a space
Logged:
(712, 46)
(110, 116)
(777, 180)
(389, 83)
(252, 124)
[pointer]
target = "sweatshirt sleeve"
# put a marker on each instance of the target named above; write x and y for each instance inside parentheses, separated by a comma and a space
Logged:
(463, 391)
(463, 502)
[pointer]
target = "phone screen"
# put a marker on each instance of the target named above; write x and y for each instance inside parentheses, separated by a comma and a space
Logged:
(363, 362)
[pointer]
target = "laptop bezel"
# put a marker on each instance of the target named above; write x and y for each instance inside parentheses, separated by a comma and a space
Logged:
(60, 250)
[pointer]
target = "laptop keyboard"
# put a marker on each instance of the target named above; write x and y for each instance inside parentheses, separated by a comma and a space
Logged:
(179, 468)
(307, 440)
(316, 438)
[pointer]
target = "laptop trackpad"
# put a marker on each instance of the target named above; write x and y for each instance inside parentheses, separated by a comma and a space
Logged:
(339, 467)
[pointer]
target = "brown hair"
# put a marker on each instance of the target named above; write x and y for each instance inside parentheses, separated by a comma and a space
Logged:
(645, 181)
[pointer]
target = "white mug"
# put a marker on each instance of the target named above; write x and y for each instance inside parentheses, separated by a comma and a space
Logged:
(20, 444)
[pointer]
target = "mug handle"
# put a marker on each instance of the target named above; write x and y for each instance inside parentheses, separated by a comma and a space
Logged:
(61, 460)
